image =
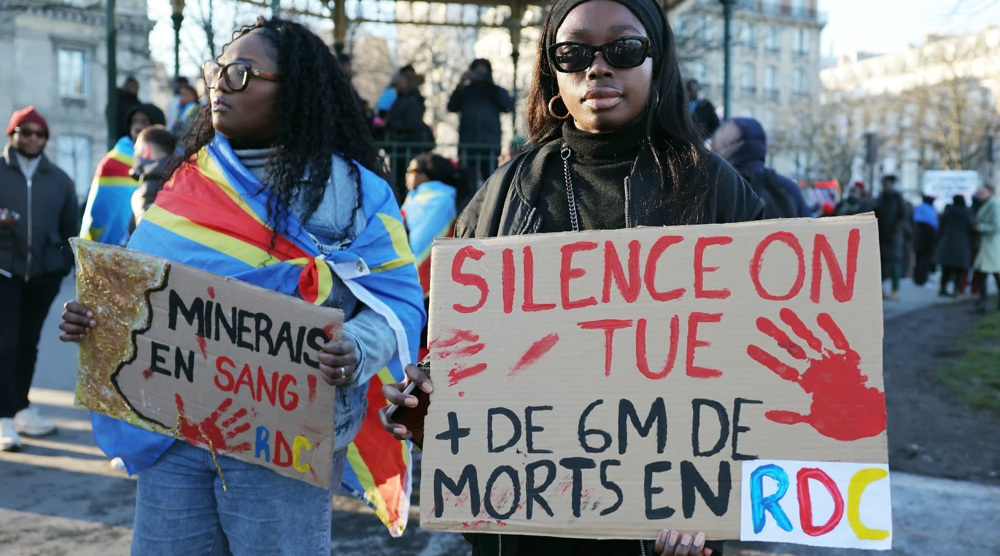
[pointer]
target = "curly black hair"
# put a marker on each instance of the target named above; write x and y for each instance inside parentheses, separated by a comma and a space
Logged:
(320, 116)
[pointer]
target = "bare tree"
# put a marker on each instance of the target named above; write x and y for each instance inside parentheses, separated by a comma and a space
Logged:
(954, 112)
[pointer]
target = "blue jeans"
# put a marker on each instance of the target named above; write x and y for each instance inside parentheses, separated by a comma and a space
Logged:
(181, 509)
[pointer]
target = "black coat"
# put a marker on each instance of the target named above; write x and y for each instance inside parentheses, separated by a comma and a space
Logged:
(954, 246)
(479, 106)
(892, 216)
(48, 212)
(507, 202)
(405, 121)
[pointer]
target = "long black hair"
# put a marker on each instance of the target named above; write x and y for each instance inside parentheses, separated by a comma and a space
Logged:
(320, 116)
(670, 131)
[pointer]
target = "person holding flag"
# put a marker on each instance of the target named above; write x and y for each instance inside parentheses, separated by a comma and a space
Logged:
(109, 204)
(429, 212)
(278, 187)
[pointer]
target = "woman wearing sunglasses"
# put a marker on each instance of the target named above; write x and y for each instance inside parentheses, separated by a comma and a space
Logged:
(617, 149)
(277, 183)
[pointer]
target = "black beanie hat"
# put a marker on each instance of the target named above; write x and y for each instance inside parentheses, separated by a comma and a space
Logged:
(649, 12)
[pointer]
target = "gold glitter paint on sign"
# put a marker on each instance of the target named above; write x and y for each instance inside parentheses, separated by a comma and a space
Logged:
(115, 285)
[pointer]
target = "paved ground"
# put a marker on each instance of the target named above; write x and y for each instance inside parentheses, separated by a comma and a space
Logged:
(60, 496)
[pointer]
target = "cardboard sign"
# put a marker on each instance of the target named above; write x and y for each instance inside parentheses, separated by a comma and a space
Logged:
(209, 360)
(611, 384)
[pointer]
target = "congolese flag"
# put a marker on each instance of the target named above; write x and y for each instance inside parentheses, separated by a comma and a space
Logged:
(212, 215)
(429, 212)
(109, 205)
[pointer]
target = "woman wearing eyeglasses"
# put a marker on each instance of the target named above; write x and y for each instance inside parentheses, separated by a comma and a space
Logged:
(277, 187)
(617, 150)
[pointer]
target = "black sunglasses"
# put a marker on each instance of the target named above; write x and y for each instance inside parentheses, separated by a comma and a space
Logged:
(236, 74)
(626, 52)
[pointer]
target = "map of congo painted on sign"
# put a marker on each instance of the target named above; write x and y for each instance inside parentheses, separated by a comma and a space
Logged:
(209, 360)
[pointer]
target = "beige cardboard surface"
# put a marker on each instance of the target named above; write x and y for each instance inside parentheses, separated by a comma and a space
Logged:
(210, 360)
(627, 374)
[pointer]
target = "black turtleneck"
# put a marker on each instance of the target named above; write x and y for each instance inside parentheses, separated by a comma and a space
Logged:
(599, 164)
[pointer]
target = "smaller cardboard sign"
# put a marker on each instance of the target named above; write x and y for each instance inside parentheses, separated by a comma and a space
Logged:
(212, 361)
(817, 503)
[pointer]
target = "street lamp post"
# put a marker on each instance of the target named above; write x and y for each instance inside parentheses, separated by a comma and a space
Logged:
(112, 38)
(178, 17)
(727, 79)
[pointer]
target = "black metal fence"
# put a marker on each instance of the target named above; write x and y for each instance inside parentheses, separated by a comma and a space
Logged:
(478, 161)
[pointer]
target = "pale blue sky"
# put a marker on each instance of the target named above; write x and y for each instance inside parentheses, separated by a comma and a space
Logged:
(890, 25)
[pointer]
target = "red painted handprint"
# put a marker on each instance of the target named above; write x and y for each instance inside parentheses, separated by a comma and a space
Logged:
(208, 432)
(843, 408)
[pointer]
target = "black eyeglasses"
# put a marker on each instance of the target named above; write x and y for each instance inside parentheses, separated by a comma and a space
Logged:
(237, 74)
(29, 133)
(626, 52)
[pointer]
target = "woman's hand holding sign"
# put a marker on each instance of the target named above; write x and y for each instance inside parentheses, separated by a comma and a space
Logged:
(338, 361)
(402, 399)
(674, 543)
(77, 322)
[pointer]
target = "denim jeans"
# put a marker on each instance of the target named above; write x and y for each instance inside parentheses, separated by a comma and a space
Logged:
(181, 508)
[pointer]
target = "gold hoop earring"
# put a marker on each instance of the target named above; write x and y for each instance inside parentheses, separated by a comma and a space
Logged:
(553, 112)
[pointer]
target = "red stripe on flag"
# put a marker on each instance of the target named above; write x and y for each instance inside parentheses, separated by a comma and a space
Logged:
(194, 196)
(382, 454)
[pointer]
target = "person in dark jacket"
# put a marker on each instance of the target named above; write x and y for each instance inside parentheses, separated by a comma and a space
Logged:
(856, 201)
(743, 142)
(589, 115)
(954, 246)
(702, 110)
(406, 128)
(128, 98)
(38, 215)
(479, 102)
(891, 213)
(108, 211)
(925, 228)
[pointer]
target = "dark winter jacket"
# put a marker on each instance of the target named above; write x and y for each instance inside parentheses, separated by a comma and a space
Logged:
(479, 106)
(743, 143)
(892, 217)
(406, 119)
(38, 243)
(954, 246)
(508, 204)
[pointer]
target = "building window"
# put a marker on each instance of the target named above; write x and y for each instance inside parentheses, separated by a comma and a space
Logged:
(802, 43)
(749, 81)
(799, 87)
(74, 157)
(749, 37)
(771, 82)
(773, 39)
(73, 73)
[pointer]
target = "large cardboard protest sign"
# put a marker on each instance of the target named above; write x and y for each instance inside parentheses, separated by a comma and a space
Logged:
(723, 378)
(209, 360)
